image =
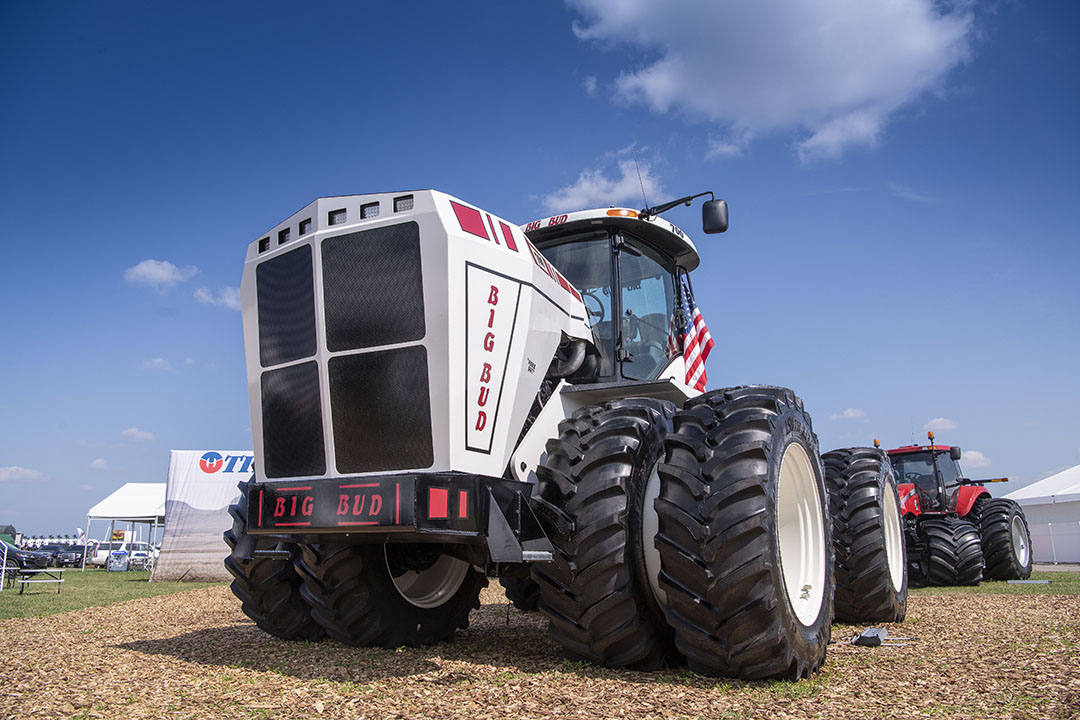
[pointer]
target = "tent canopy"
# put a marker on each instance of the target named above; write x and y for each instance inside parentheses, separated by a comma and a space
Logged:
(1060, 488)
(133, 502)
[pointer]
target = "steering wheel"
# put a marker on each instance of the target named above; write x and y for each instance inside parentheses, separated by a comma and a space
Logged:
(594, 315)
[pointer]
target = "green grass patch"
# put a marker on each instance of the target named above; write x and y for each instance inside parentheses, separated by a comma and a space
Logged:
(92, 588)
(1061, 583)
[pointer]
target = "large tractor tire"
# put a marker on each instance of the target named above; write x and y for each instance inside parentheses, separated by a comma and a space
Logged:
(597, 594)
(953, 552)
(268, 587)
(523, 592)
(871, 563)
(744, 541)
(388, 595)
(1006, 539)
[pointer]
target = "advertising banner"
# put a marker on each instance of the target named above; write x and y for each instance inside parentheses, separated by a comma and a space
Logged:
(201, 487)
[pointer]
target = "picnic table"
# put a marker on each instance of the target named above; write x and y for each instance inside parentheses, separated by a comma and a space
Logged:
(42, 575)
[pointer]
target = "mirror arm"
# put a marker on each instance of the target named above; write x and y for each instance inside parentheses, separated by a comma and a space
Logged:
(649, 213)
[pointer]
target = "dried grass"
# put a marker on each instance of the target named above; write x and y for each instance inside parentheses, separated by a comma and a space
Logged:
(195, 655)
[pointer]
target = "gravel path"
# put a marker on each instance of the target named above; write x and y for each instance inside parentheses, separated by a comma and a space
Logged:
(194, 655)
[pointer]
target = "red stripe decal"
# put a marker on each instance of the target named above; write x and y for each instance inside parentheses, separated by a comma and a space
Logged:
(281, 489)
(470, 220)
(361, 485)
(366, 522)
(292, 524)
(437, 501)
(494, 235)
(463, 504)
(508, 236)
(260, 507)
(397, 503)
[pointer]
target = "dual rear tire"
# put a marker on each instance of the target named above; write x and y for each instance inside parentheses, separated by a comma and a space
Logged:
(389, 595)
(868, 537)
(729, 566)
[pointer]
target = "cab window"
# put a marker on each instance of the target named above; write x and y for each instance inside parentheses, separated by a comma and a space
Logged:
(586, 262)
(647, 294)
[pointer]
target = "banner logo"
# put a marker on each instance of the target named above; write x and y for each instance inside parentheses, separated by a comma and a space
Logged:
(212, 462)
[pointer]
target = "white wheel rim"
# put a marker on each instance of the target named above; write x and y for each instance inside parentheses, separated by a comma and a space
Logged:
(432, 587)
(894, 548)
(801, 531)
(650, 526)
(1019, 540)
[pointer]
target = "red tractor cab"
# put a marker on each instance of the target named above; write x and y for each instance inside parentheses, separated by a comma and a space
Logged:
(956, 533)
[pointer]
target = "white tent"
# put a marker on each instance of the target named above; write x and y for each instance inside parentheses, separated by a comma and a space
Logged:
(132, 503)
(1052, 508)
(201, 487)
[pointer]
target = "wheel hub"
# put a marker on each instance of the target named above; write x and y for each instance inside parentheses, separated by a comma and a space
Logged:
(1019, 540)
(431, 586)
(894, 537)
(801, 534)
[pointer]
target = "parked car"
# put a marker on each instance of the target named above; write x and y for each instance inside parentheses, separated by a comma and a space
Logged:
(139, 552)
(28, 559)
(53, 550)
(71, 556)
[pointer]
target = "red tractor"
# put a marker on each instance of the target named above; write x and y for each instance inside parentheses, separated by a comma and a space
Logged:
(955, 532)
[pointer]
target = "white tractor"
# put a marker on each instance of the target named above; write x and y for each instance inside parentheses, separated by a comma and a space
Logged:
(439, 396)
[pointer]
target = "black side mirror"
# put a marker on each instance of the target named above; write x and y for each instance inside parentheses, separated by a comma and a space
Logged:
(954, 452)
(714, 217)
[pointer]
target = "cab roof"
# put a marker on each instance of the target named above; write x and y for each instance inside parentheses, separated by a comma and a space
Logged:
(907, 449)
(656, 231)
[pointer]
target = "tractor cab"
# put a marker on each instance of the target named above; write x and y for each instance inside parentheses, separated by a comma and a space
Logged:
(927, 474)
(630, 266)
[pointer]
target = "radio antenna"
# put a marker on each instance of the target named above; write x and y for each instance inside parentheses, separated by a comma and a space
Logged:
(640, 181)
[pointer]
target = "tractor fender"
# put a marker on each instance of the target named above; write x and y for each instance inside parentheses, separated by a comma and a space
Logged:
(966, 496)
(909, 499)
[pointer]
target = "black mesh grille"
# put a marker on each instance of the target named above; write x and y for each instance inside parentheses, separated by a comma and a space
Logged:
(286, 290)
(373, 287)
(381, 414)
(292, 422)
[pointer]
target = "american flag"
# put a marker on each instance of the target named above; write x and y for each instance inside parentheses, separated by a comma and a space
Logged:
(688, 334)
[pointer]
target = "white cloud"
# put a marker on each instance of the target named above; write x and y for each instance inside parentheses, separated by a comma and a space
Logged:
(851, 414)
(157, 364)
(905, 193)
(14, 473)
(940, 423)
(228, 297)
(85, 488)
(160, 275)
(594, 188)
(975, 459)
(99, 464)
(189, 361)
(134, 433)
(726, 147)
(590, 85)
(832, 71)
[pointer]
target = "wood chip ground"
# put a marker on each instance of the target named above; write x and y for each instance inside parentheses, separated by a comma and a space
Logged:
(195, 655)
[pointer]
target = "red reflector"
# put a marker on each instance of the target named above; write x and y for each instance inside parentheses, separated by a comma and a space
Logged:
(463, 504)
(508, 235)
(437, 500)
(470, 220)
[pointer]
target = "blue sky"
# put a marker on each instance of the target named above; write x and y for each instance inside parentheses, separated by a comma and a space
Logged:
(903, 248)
